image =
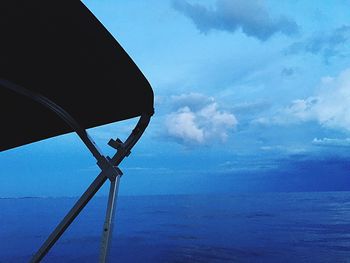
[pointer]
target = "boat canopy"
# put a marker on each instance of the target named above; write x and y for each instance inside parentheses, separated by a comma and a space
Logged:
(60, 50)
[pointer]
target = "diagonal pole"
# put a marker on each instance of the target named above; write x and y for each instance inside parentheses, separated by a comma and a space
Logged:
(69, 218)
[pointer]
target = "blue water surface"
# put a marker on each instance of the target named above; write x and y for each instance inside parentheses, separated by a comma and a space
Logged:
(264, 227)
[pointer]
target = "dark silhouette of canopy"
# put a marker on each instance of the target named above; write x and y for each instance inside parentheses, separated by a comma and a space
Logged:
(60, 50)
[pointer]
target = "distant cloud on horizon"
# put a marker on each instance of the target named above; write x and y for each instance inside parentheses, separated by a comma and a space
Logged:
(331, 142)
(251, 16)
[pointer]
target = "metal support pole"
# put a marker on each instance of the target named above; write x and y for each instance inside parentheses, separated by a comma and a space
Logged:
(109, 220)
(109, 167)
(123, 151)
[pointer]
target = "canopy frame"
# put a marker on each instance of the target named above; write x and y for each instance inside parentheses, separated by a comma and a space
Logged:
(109, 170)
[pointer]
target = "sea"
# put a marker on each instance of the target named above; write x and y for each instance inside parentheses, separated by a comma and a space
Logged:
(249, 227)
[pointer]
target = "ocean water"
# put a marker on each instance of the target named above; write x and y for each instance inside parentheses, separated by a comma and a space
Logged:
(264, 227)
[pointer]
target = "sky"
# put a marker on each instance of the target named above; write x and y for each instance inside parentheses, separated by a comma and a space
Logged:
(250, 96)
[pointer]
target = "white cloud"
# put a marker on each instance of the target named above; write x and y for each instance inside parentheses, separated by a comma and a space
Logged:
(329, 106)
(182, 124)
(198, 122)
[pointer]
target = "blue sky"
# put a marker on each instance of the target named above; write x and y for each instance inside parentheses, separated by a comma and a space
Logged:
(250, 95)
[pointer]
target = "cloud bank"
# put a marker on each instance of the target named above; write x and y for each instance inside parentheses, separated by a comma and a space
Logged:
(329, 106)
(198, 120)
(251, 16)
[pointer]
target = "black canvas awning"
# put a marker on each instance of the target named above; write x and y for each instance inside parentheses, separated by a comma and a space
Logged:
(60, 50)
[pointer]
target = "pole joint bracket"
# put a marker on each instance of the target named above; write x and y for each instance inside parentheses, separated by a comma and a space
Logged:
(110, 171)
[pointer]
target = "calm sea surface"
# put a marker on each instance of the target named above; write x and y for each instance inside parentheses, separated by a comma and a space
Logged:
(268, 227)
